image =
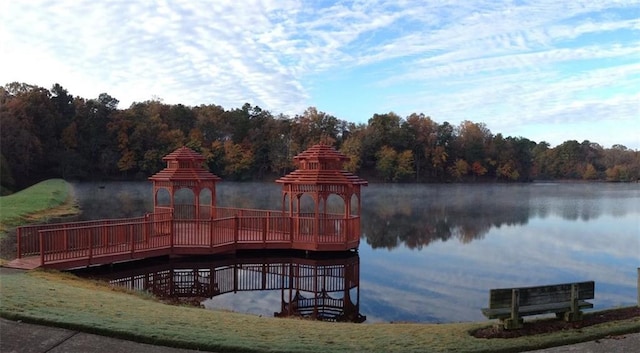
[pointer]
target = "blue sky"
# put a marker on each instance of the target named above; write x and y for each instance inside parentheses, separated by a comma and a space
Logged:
(545, 70)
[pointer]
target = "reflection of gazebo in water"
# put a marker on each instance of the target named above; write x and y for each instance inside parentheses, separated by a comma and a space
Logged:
(322, 306)
(327, 293)
(326, 289)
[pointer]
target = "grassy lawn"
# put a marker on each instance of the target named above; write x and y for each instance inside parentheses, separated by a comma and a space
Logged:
(50, 198)
(64, 300)
(60, 299)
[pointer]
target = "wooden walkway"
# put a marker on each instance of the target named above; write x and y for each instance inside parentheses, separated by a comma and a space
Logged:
(81, 244)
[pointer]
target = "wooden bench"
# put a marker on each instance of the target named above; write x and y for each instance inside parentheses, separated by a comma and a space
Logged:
(565, 300)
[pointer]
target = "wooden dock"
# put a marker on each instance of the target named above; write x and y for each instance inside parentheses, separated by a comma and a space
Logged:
(81, 244)
(197, 227)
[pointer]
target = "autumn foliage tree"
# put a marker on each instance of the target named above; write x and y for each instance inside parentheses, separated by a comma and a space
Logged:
(50, 133)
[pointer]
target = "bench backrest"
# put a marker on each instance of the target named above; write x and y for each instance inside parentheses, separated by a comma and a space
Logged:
(556, 293)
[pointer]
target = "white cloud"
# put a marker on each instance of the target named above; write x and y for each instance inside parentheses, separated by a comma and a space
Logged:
(544, 56)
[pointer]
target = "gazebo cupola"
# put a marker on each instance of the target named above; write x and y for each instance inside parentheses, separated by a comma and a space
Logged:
(185, 185)
(320, 175)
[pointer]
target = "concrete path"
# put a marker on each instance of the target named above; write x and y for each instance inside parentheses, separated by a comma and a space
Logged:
(629, 343)
(18, 337)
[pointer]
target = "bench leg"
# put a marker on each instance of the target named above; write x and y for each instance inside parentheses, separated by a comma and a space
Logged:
(514, 322)
(571, 316)
(575, 314)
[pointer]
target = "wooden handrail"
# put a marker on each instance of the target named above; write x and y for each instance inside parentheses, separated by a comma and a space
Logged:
(77, 241)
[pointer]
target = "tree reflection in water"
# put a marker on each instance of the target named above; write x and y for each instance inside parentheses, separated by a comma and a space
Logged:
(419, 216)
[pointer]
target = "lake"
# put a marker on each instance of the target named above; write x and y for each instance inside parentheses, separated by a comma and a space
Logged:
(430, 253)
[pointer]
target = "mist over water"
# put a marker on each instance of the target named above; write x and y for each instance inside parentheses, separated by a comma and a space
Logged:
(430, 253)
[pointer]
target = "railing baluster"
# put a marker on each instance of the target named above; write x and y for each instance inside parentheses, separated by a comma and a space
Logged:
(41, 248)
(265, 223)
(173, 233)
(132, 241)
(90, 247)
(19, 242)
(236, 229)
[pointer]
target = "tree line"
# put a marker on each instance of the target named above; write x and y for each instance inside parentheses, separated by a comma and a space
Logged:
(50, 133)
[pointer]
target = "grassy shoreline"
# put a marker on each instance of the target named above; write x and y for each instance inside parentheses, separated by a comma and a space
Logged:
(64, 300)
(40, 202)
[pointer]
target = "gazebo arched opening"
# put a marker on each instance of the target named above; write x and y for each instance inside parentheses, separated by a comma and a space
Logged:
(355, 204)
(184, 204)
(206, 200)
(335, 205)
(307, 205)
(162, 201)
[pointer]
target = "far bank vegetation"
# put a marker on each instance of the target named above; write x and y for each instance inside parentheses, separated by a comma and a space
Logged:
(49, 133)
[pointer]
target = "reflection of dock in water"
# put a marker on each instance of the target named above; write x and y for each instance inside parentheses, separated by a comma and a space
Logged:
(322, 289)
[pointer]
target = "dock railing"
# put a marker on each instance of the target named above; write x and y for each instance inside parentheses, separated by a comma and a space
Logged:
(106, 239)
(234, 229)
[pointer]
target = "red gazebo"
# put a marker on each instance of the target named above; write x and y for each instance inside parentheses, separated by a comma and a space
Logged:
(320, 176)
(185, 170)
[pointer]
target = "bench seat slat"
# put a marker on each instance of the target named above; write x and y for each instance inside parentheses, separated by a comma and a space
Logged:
(502, 313)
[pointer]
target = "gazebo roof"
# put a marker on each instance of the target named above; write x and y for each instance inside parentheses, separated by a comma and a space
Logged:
(321, 164)
(184, 153)
(184, 164)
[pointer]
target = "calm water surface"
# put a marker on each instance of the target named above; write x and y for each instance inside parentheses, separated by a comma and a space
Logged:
(430, 253)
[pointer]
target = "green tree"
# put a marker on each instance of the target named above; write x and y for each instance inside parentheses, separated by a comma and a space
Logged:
(404, 166)
(473, 140)
(386, 163)
(180, 117)
(459, 169)
(443, 154)
(540, 153)
(314, 127)
(385, 130)
(263, 129)
(590, 172)
(420, 133)
(19, 140)
(508, 171)
(211, 122)
(95, 144)
(439, 161)
(382, 130)
(237, 160)
(352, 148)
(394, 166)
(280, 153)
(510, 155)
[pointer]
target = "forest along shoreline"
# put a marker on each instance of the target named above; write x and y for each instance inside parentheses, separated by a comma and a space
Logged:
(78, 138)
